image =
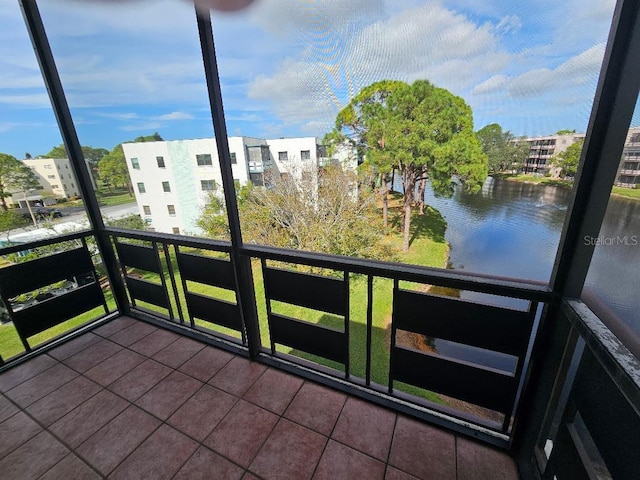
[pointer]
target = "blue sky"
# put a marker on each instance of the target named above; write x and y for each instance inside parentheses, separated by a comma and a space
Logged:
(287, 66)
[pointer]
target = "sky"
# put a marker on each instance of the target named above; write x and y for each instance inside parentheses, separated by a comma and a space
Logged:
(132, 68)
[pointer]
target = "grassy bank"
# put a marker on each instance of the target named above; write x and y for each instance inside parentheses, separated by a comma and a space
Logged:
(554, 182)
(633, 193)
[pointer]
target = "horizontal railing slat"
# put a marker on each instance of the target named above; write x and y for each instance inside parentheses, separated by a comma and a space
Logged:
(210, 271)
(138, 256)
(49, 313)
(314, 339)
(215, 311)
(306, 290)
(147, 292)
(477, 385)
(35, 274)
(484, 326)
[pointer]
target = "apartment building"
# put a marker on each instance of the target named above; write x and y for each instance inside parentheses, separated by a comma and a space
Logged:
(55, 177)
(173, 180)
(629, 170)
(542, 150)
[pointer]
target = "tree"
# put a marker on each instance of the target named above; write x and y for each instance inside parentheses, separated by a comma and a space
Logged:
(14, 176)
(565, 132)
(421, 130)
(568, 160)
(90, 154)
(503, 150)
(320, 210)
(10, 220)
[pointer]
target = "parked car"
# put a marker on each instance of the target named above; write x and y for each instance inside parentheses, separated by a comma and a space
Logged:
(42, 213)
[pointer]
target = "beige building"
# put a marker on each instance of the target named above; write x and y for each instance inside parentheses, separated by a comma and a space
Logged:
(542, 150)
(55, 176)
(629, 170)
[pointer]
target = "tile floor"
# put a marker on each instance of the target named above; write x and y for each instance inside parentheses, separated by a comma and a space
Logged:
(131, 401)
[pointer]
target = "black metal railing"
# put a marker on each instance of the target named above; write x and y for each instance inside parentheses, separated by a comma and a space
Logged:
(320, 314)
(45, 285)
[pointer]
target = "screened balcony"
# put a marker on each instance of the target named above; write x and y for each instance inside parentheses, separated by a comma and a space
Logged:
(166, 356)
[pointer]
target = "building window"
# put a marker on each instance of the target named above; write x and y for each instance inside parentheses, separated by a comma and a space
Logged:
(55, 186)
(233, 158)
(66, 166)
(208, 185)
(64, 185)
(171, 209)
(203, 159)
(147, 209)
(305, 155)
(135, 164)
(73, 186)
(160, 161)
(176, 230)
(282, 156)
(51, 176)
(635, 138)
(141, 188)
(166, 187)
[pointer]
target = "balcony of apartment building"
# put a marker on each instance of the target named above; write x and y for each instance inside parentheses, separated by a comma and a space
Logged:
(171, 356)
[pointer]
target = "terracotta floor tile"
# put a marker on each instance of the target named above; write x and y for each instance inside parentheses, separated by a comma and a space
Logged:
(92, 356)
(42, 384)
(74, 346)
(205, 464)
(139, 380)
(202, 412)
(480, 462)
(79, 424)
(132, 334)
(206, 363)
(159, 457)
(341, 462)
(114, 326)
(395, 474)
(61, 401)
(274, 390)
(316, 407)
(106, 448)
(154, 342)
(178, 352)
(168, 395)
(70, 468)
(16, 430)
(365, 427)
(7, 408)
(237, 376)
(290, 452)
(422, 450)
(113, 368)
(25, 371)
(249, 476)
(242, 432)
(33, 458)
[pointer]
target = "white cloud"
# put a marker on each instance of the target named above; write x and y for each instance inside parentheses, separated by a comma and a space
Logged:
(176, 116)
(578, 70)
(424, 42)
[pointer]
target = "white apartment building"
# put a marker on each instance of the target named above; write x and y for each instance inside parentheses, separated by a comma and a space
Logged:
(55, 177)
(173, 180)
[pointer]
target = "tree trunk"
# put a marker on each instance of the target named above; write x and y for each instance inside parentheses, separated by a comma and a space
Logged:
(422, 186)
(409, 187)
(3, 203)
(385, 201)
(393, 178)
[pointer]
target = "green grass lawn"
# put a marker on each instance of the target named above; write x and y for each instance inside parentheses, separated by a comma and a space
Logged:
(554, 182)
(627, 192)
(116, 197)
